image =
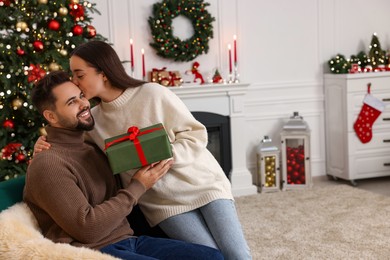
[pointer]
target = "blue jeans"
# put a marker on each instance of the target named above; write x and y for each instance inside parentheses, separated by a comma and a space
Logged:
(144, 247)
(215, 225)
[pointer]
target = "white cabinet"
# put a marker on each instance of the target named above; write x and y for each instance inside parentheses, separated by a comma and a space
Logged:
(346, 156)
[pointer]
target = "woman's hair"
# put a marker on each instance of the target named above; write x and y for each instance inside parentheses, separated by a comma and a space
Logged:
(103, 58)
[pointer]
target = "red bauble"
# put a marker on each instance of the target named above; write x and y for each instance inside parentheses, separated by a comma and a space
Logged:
(89, 31)
(20, 51)
(53, 25)
(8, 124)
(38, 46)
(77, 11)
(21, 157)
(77, 30)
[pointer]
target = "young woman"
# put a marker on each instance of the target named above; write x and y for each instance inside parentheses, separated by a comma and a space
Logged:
(193, 202)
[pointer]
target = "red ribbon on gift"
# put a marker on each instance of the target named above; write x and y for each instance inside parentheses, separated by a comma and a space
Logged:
(133, 133)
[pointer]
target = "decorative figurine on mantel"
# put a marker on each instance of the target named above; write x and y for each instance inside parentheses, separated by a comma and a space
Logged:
(198, 78)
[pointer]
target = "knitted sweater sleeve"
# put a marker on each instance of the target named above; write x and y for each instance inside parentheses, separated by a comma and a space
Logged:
(187, 135)
(54, 189)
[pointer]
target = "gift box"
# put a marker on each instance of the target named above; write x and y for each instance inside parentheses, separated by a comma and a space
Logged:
(166, 78)
(137, 148)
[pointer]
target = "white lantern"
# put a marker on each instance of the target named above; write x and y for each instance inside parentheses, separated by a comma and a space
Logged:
(268, 166)
(295, 139)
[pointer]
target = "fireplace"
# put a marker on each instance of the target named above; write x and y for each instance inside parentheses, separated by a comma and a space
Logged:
(218, 130)
(225, 100)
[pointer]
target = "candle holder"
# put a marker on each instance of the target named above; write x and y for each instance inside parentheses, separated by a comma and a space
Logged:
(236, 75)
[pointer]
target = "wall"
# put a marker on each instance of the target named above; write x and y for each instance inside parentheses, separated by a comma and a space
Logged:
(283, 48)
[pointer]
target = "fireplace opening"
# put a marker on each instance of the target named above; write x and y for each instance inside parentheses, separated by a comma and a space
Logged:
(218, 130)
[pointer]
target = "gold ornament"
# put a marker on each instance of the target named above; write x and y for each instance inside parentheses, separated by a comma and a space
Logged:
(42, 131)
(17, 103)
(21, 26)
(42, 2)
(54, 66)
(74, 1)
(63, 52)
(63, 11)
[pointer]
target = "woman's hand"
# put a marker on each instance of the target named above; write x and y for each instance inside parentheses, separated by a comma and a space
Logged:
(150, 174)
(40, 145)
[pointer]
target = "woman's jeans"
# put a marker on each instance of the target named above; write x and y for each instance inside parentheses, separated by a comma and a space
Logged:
(145, 247)
(215, 225)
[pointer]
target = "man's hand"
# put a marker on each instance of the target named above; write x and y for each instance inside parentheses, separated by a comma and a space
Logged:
(150, 174)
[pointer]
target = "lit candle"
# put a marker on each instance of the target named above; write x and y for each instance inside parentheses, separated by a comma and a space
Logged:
(143, 63)
(131, 55)
(235, 48)
(230, 58)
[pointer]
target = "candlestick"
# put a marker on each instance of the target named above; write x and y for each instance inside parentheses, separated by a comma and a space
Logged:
(131, 56)
(143, 64)
(230, 58)
(235, 48)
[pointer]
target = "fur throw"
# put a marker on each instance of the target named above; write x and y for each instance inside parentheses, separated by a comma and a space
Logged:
(20, 238)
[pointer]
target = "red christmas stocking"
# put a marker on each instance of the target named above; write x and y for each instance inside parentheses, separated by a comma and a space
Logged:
(372, 108)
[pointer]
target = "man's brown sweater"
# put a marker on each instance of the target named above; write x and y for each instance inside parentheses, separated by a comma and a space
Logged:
(73, 194)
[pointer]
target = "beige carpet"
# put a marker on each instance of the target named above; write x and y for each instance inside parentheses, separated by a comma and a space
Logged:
(331, 222)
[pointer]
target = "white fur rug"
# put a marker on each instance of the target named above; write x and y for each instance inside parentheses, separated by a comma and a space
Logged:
(335, 222)
(20, 238)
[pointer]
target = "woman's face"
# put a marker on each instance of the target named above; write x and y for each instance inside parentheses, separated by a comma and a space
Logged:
(87, 78)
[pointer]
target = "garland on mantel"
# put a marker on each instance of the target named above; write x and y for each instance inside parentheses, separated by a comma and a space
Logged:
(171, 47)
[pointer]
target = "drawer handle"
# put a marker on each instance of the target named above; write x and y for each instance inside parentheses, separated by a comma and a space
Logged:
(386, 99)
(386, 140)
(386, 164)
(386, 119)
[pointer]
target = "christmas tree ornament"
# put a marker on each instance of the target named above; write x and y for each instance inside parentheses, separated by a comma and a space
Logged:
(8, 124)
(53, 25)
(38, 46)
(20, 51)
(21, 26)
(63, 11)
(77, 11)
(17, 103)
(35, 73)
(54, 66)
(371, 109)
(20, 157)
(63, 52)
(89, 31)
(42, 131)
(43, 2)
(77, 30)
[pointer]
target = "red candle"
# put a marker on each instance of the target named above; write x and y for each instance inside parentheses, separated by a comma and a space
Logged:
(131, 55)
(230, 58)
(143, 63)
(235, 49)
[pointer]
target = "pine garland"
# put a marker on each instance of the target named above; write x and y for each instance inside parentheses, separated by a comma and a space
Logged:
(171, 47)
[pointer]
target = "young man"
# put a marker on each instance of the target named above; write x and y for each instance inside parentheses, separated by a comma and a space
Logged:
(72, 192)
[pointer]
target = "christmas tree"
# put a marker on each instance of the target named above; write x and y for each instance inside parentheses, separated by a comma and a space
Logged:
(36, 37)
(376, 54)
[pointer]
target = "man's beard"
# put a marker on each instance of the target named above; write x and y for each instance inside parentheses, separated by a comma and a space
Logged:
(88, 126)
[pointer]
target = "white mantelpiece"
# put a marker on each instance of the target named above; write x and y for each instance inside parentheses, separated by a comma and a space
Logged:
(227, 100)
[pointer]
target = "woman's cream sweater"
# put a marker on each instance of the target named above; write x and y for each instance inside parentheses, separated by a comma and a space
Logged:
(195, 179)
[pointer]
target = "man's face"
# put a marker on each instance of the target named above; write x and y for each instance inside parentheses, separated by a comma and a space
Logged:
(72, 108)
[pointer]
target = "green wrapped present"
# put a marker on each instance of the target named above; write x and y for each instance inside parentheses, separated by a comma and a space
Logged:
(137, 148)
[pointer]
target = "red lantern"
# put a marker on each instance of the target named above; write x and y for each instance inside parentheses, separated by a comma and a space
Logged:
(77, 30)
(295, 139)
(38, 46)
(53, 25)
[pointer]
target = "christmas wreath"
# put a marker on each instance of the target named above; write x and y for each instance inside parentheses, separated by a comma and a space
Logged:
(171, 47)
